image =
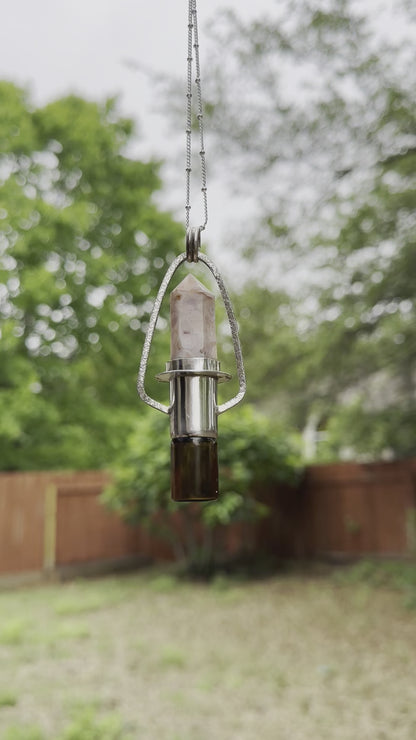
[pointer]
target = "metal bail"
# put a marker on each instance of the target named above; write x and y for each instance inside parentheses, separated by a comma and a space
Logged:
(193, 244)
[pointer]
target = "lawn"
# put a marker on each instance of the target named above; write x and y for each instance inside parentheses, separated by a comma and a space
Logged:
(144, 656)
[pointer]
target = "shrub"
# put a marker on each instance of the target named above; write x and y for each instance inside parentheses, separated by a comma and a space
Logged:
(253, 453)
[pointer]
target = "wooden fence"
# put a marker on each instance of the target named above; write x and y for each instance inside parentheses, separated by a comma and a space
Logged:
(346, 510)
(56, 520)
(355, 509)
(50, 520)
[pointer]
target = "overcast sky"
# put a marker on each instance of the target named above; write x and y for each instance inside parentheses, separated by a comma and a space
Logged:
(61, 46)
(57, 46)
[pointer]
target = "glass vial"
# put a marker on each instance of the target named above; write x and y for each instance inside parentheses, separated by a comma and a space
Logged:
(194, 469)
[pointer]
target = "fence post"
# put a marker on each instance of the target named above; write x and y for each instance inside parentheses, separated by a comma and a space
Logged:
(49, 527)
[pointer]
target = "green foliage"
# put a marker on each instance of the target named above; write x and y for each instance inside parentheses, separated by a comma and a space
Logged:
(253, 454)
(372, 301)
(142, 477)
(356, 429)
(318, 74)
(335, 159)
(82, 246)
(277, 357)
(330, 145)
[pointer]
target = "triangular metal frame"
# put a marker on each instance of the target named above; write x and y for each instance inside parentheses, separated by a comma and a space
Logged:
(152, 326)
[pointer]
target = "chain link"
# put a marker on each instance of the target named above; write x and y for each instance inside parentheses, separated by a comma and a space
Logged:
(193, 44)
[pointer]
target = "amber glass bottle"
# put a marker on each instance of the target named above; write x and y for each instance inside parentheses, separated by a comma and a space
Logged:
(194, 469)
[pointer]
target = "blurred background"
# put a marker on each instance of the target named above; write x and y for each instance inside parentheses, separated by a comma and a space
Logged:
(310, 126)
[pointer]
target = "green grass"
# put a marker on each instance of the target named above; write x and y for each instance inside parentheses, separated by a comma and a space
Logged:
(13, 632)
(173, 657)
(23, 732)
(72, 631)
(8, 699)
(87, 726)
(81, 596)
(397, 575)
(84, 726)
(325, 657)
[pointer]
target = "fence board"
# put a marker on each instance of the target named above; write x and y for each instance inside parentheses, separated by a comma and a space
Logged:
(358, 509)
(87, 531)
(21, 524)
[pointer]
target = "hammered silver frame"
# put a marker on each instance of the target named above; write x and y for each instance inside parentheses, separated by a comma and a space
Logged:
(152, 326)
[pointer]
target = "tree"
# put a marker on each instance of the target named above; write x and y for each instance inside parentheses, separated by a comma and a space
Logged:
(297, 99)
(276, 355)
(83, 247)
(331, 139)
(372, 296)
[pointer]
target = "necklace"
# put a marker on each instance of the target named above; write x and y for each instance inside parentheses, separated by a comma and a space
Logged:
(193, 371)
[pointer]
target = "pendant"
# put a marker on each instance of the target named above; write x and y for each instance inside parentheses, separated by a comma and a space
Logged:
(193, 373)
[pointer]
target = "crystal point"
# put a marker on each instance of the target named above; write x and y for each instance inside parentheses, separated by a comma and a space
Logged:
(192, 317)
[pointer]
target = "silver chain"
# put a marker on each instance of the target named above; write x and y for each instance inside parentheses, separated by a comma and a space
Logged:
(193, 43)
